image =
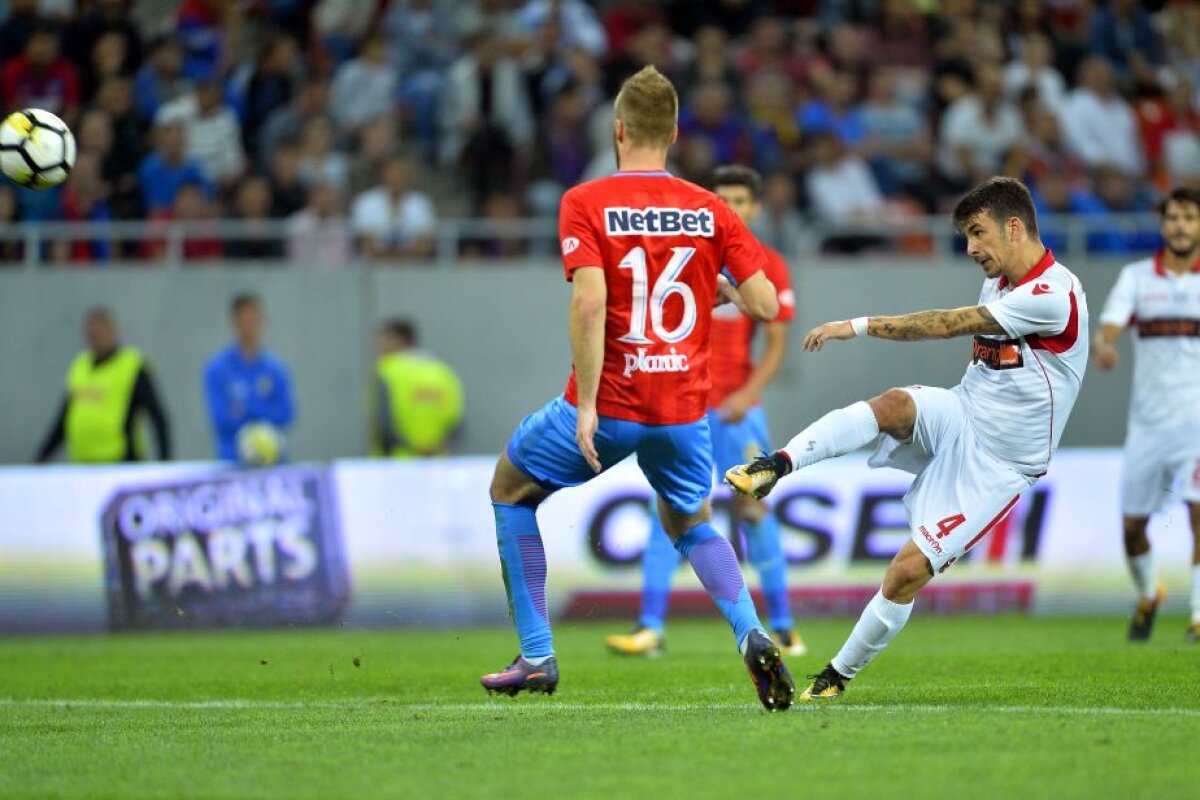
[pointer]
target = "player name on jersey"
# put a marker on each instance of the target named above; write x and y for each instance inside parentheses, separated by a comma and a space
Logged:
(654, 221)
(642, 361)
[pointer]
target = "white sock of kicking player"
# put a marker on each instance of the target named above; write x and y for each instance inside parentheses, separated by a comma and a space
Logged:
(881, 620)
(1196, 594)
(838, 432)
(1142, 569)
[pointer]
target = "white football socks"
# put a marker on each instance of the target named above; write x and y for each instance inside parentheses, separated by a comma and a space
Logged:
(1142, 569)
(838, 432)
(1196, 594)
(880, 621)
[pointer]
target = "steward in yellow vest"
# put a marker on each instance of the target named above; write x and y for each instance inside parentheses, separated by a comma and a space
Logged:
(418, 398)
(108, 387)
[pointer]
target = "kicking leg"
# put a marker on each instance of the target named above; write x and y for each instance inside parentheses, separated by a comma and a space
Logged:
(881, 620)
(839, 432)
(515, 498)
(1141, 568)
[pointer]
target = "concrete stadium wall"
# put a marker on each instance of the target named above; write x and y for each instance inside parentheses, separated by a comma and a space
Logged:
(502, 326)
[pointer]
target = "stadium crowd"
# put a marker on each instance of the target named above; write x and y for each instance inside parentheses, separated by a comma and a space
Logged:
(395, 113)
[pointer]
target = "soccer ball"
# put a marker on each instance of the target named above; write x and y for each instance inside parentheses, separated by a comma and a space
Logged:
(260, 444)
(37, 149)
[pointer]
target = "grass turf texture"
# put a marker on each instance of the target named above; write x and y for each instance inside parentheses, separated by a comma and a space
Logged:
(979, 707)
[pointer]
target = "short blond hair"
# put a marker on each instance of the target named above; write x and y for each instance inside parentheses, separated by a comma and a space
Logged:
(649, 107)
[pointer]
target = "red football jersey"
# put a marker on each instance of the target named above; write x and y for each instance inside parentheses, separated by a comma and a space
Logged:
(733, 334)
(661, 242)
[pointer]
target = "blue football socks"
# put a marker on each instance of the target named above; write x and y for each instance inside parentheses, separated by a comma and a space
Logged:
(523, 565)
(659, 563)
(715, 563)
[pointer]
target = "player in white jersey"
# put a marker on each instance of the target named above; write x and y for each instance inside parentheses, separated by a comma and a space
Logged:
(973, 448)
(1159, 299)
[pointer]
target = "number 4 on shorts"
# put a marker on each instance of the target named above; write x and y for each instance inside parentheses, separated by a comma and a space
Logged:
(947, 525)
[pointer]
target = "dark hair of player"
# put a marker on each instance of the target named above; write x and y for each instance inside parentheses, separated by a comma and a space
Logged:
(100, 314)
(649, 107)
(1182, 195)
(243, 300)
(737, 175)
(1002, 199)
(402, 329)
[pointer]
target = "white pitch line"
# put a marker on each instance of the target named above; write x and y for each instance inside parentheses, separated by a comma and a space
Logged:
(250, 705)
(551, 706)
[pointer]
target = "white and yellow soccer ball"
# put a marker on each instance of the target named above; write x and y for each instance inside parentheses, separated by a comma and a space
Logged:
(37, 149)
(260, 444)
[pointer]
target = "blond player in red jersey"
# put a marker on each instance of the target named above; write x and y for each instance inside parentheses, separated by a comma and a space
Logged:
(644, 252)
(973, 448)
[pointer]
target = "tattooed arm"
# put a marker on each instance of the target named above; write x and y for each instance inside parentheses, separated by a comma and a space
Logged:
(939, 324)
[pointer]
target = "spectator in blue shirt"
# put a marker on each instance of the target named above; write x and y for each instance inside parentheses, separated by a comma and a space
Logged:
(166, 169)
(1054, 198)
(1116, 193)
(712, 116)
(835, 111)
(243, 383)
(1122, 31)
(161, 79)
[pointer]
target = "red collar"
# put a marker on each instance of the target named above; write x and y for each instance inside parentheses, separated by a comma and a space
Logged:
(1161, 271)
(1044, 263)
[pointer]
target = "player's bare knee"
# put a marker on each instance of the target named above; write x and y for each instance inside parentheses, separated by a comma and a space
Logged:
(501, 490)
(895, 412)
(909, 571)
(510, 486)
(1194, 518)
(1136, 541)
(676, 523)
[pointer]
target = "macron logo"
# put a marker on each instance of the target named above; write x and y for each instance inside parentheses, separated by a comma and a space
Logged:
(1041, 288)
(653, 221)
(569, 245)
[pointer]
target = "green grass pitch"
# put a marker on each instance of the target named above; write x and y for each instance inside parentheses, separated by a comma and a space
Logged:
(971, 707)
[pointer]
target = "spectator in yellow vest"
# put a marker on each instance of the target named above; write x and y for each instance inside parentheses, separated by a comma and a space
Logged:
(418, 398)
(109, 386)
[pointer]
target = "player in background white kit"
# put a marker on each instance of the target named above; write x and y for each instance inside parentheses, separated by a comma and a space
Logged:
(973, 448)
(1159, 298)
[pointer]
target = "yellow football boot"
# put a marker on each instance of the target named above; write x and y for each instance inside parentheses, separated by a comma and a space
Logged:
(826, 685)
(1143, 616)
(790, 642)
(642, 642)
(759, 477)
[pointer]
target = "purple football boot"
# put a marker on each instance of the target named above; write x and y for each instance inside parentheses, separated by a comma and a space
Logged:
(521, 676)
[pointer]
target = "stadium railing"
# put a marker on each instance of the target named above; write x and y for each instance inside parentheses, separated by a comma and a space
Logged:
(36, 245)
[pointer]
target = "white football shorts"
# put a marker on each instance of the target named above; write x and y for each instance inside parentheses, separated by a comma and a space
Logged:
(961, 492)
(1161, 467)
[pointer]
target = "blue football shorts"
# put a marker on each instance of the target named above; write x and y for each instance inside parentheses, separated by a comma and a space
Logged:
(676, 459)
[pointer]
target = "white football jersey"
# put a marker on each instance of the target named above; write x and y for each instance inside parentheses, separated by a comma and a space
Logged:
(1163, 309)
(1022, 386)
